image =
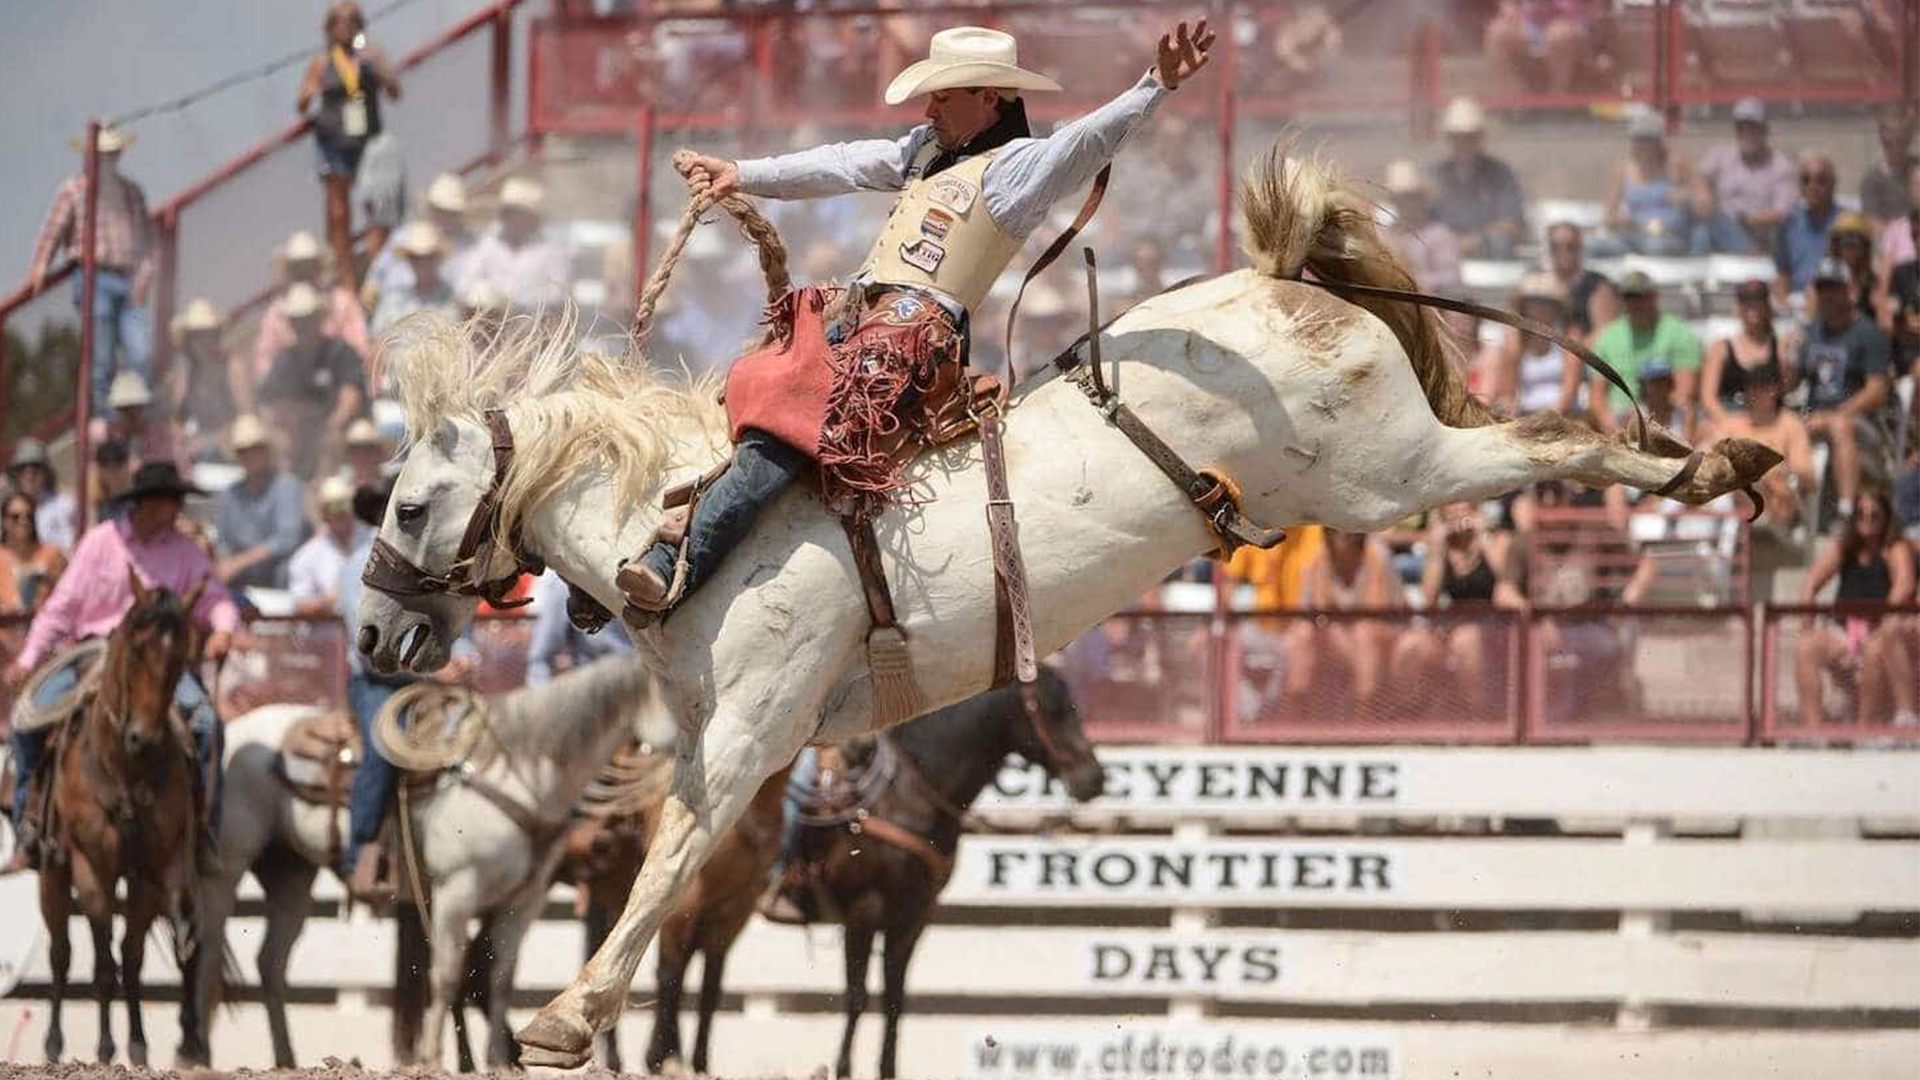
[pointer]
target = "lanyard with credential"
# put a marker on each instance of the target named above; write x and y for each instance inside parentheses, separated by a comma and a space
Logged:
(349, 72)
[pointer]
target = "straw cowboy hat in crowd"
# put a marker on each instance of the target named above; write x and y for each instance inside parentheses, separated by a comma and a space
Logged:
(300, 300)
(128, 391)
(363, 432)
(248, 432)
(302, 247)
(967, 56)
(334, 491)
(419, 239)
(111, 140)
(1404, 178)
(519, 193)
(447, 192)
(1463, 116)
(197, 317)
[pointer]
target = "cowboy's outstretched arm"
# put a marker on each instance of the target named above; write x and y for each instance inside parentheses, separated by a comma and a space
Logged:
(1033, 174)
(833, 169)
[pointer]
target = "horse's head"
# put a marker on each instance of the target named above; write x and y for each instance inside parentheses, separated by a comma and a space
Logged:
(146, 656)
(1056, 741)
(441, 481)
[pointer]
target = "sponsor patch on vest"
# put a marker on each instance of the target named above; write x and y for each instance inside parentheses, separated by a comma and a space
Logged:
(937, 224)
(951, 192)
(923, 254)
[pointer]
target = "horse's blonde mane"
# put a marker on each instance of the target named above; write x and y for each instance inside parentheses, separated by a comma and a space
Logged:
(574, 409)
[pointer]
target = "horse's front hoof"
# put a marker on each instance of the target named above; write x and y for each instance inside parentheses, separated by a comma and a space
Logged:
(137, 1055)
(554, 1042)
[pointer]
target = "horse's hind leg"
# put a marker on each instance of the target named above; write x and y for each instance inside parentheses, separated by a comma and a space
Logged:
(900, 943)
(56, 908)
(858, 942)
(288, 884)
(105, 981)
(712, 970)
(676, 955)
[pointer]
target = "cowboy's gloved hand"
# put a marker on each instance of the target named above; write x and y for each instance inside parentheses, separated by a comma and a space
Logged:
(1182, 55)
(706, 174)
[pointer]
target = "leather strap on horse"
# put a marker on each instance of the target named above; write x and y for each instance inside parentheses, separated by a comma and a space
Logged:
(1054, 250)
(1541, 330)
(896, 696)
(939, 866)
(540, 834)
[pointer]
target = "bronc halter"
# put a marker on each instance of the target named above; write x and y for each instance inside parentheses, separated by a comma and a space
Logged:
(390, 572)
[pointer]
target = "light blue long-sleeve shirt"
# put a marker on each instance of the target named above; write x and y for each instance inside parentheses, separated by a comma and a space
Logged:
(1021, 185)
(347, 605)
(554, 633)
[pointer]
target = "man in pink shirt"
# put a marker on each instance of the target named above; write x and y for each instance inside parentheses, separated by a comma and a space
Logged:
(94, 595)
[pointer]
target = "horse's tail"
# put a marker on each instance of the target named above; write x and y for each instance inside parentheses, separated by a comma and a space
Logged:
(1301, 214)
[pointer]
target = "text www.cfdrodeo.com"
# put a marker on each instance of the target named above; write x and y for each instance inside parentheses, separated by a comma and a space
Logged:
(1168, 1057)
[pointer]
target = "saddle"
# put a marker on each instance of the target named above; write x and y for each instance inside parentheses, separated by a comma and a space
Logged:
(317, 761)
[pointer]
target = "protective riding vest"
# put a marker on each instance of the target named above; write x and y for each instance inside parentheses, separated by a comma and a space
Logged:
(941, 237)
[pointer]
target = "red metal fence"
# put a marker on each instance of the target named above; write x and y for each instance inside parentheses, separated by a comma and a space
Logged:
(1580, 675)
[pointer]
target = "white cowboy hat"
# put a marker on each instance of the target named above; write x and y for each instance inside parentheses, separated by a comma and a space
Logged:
(334, 489)
(1403, 178)
(447, 192)
(110, 141)
(128, 390)
(302, 247)
(1464, 116)
(199, 314)
(248, 432)
(300, 300)
(966, 56)
(363, 432)
(523, 194)
(419, 238)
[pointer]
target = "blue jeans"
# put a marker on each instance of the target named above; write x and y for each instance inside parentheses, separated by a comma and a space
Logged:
(209, 738)
(1726, 234)
(762, 468)
(374, 780)
(117, 321)
(805, 774)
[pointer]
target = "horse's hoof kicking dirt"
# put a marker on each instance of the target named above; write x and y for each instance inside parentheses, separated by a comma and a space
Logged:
(554, 1043)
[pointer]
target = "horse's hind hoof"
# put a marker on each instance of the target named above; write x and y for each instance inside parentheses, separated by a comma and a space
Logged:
(552, 1042)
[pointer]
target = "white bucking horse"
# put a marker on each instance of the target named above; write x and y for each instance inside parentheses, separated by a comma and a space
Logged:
(541, 746)
(1323, 410)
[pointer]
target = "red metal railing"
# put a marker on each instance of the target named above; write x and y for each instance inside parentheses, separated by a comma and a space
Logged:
(1538, 677)
(261, 196)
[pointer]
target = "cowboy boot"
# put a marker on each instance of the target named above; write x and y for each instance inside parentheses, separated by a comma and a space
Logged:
(788, 901)
(368, 883)
(649, 596)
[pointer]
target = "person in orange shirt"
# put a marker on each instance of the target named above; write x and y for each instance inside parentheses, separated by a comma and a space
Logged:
(1278, 574)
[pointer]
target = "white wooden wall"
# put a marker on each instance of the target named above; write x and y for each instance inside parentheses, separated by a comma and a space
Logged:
(1804, 863)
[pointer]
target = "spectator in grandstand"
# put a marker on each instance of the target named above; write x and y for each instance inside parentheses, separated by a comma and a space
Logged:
(208, 385)
(148, 434)
(1900, 314)
(259, 518)
(1532, 373)
(28, 565)
(316, 386)
(1657, 399)
(1651, 197)
(447, 213)
(1843, 359)
(1906, 493)
(1278, 574)
(1147, 258)
(1801, 241)
(1756, 414)
(345, 81)
(367, 452)
(303, 261)
(1473, 569)
(374, 780)
(1427, 247)
(1851, 241)
(1475, 193)
(1644, 337)
(123, 252)
(1884, 193)
(1896, 238)
(1353, 572)
(55, 513)
(380, 192)
(424, 288)
(1754, 346)
(1875, 566)
(111, 475)
(1747, 185)
(1592, 300)
(517, 260)
(313, 572)
(557, 644)
(1546, 43)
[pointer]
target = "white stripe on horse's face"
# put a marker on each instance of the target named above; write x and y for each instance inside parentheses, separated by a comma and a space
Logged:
(441, 480)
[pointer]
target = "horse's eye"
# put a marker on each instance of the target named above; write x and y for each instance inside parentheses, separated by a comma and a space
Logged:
(408, 513)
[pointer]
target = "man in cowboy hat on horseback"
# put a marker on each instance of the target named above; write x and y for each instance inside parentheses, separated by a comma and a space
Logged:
(91, 598)
(839, 370)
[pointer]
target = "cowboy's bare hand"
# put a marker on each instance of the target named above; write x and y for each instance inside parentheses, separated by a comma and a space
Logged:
(219, 644)
(1183, 54)
(13, 678)
(705, 174)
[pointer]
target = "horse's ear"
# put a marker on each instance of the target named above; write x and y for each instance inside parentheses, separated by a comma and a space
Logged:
(192, 599)
(139, 590)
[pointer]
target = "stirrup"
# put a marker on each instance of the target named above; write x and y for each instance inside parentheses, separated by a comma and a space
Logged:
(366, 883)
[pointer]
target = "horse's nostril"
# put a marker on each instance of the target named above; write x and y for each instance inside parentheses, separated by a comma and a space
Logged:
(369, 640)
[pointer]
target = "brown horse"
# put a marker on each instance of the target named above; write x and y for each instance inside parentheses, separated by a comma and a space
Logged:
(123, 806)
(709, 916)
(939, 763)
